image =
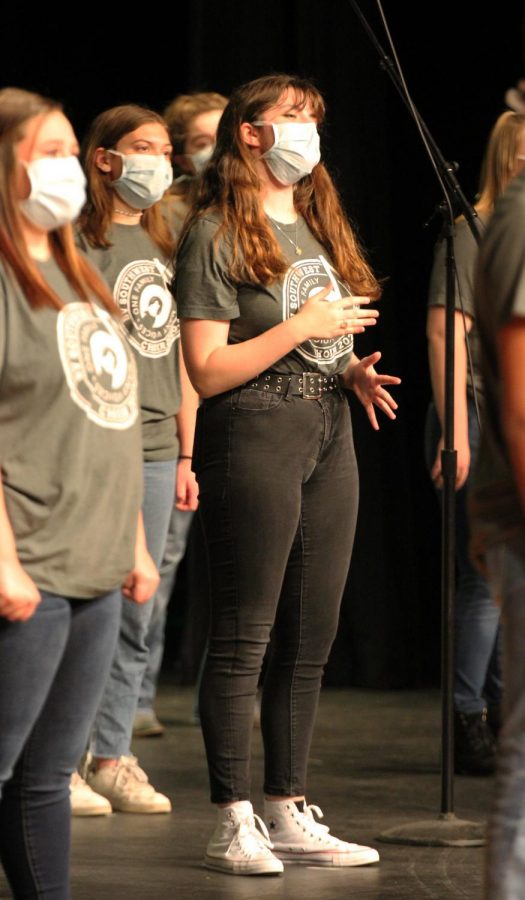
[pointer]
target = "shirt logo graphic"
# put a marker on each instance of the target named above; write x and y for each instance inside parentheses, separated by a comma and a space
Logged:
(99, 368)
(141, 291)
(304, 279)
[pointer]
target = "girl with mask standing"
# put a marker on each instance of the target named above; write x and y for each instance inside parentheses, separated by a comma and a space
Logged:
(192, 120)
(128, 165)
(71, 487)
(264, 271)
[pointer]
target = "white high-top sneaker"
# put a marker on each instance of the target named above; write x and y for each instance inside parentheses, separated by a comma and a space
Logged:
(238, 847)
(297, 837)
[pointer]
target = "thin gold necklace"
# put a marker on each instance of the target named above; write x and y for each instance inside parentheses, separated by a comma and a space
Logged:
(295, 245)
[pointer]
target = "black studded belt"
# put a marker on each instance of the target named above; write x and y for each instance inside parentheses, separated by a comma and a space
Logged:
(309, 385)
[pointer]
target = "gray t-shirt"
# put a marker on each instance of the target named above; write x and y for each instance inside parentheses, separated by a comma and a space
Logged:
(466, 254)
(205, 290)
(70, 446)
(174, 209)
(496, 510)
(139, 278)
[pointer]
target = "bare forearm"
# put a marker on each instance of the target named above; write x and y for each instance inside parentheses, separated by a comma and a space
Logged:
(215, 366)
(347, 376)
(230, 365)
(7, 539)
(436, 356)
(187, 412)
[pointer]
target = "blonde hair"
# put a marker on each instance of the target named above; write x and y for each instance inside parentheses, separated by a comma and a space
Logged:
(106, 131)
(500, 160)
(180, 112)
(230, 187)
(17, 108)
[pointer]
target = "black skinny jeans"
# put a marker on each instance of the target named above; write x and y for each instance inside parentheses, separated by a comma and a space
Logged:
(278, 499)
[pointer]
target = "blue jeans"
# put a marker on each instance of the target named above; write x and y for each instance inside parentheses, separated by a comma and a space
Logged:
(278, 501)
(477, 673)
(113, 727)
(505, 875)
(53, 668)
(179, 527)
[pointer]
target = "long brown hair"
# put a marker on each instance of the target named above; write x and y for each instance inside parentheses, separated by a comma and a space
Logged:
(17, 108)
(500, 160)
(230, 187)
(95, 220)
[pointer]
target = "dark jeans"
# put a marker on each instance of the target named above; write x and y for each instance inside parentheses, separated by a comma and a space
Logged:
(53, 668)
(477, 677)
(278, 498)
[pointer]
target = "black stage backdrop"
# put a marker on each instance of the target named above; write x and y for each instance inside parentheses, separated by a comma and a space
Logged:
(458, 70)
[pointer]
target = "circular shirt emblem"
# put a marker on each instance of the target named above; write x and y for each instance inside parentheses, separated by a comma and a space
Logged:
(148, 309)
(304, 279)
(99, 368)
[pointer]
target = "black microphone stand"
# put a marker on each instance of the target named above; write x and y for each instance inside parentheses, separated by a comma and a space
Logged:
(447, 829)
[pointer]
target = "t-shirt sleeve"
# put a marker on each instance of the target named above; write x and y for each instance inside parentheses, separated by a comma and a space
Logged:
(465, 253)
(203, 287)
(503, 266)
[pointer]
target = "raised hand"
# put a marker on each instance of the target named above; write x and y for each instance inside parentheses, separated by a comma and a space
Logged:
(319, 318)
(367, 384)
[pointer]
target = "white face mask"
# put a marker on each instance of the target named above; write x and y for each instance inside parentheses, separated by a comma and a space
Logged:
(295, 150)
(144, 179)
(58, 191)
(201, 158)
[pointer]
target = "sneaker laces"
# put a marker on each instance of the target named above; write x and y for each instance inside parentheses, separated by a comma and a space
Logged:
(249, 839)
(308, 810)
(128, 770)
(318, 831)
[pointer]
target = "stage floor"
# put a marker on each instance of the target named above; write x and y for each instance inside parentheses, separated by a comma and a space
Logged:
(374, 764)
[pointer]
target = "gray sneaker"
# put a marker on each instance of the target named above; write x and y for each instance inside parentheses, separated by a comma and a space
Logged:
(127, 788)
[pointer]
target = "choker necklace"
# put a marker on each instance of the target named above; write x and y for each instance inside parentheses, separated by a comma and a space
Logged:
(295, 245)
(124, 212)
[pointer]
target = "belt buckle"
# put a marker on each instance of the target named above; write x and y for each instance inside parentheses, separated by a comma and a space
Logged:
(312, 389)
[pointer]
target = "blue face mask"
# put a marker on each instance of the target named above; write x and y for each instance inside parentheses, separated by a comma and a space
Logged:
(201, 158)
(144, 179)
(58, 191)
(295, 150)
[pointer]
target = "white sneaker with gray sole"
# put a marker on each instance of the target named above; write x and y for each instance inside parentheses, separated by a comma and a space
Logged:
(297, 837)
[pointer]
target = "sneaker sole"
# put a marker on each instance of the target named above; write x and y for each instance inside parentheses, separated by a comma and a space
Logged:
(84, 811)
(154, 731)
(140, 809)
(328, 858)
(231, 867)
